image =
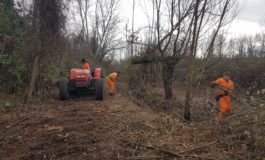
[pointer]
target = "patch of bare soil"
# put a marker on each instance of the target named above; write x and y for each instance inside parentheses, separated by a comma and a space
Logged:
(117, 128)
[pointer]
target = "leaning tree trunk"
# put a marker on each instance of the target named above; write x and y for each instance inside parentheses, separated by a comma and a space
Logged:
(168, 71)
(34, 74)
(187, 114)
(189, 78)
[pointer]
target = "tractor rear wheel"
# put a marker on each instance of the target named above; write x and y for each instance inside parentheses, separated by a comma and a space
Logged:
(63, 89)
(99, 89)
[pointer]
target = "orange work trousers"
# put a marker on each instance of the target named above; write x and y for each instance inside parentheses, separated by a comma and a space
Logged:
(225, 104)
(111, 85)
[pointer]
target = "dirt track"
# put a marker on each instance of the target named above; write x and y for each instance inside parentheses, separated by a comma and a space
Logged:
(76, 129)
(85, 129)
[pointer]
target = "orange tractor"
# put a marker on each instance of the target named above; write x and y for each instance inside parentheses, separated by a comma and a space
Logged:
(82, 81)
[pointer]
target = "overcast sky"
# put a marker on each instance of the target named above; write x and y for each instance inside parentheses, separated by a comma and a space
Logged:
(250, 17)
(247, 22)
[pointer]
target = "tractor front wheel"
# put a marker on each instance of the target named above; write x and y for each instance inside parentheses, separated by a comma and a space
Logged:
(99, 89)
(63, 89)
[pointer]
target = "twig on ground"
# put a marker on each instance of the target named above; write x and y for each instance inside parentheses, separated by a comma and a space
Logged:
(200, 157)
(195, 148)
(136, 147)
(146, 158)
(248, 123)
(13, 125)
(171, 153)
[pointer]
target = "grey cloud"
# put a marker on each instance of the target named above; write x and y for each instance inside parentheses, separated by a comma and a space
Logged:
(252, 10)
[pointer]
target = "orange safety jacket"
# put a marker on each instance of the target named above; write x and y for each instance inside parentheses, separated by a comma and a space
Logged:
(222, 96)
(111, 80)
(229, 85)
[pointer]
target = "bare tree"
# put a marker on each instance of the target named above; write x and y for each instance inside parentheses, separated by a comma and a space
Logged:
(47, 22)
(242, 46)
(220, 44)
(100, 19)
(35, 65)
(106, 27)
(231, 50)
(251, 45)
(191, 60)
(172, 37)
(262, 49)
(174, 31)
(199, 19)
(84, 11)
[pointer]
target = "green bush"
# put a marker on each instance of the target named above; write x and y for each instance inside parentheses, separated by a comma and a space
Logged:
(12, 63)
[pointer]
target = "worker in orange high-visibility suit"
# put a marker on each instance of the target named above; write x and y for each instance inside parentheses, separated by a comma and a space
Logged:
(85, 65)
(112, 82)
(222, 95)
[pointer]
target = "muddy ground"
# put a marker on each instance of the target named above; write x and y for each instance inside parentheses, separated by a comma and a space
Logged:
(117, 128)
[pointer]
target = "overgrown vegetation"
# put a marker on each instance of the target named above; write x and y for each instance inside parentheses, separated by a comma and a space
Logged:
(13, 68)
(163, 98)
(33, 40)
